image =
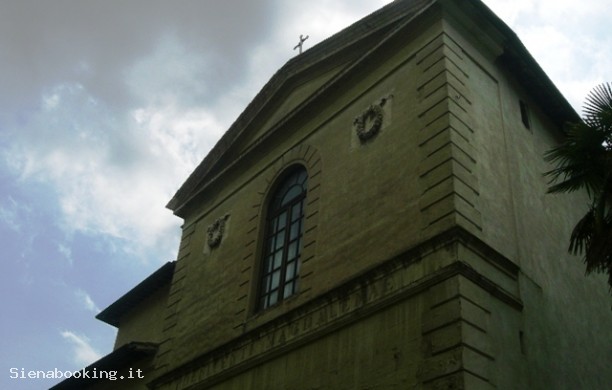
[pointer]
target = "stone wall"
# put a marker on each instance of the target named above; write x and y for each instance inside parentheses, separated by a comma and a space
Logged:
(432, 257)
(421, 319)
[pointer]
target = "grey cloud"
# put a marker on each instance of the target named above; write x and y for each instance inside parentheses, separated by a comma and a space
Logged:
(43, 43)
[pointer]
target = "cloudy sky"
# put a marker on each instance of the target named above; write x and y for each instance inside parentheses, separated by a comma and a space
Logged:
(106, 107)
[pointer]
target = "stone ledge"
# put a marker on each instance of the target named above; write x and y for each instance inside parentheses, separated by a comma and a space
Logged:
(399, 279)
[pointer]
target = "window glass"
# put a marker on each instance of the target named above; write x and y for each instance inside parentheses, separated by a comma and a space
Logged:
(284, 227)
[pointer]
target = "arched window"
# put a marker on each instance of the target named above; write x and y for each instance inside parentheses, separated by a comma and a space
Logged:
(283, 239)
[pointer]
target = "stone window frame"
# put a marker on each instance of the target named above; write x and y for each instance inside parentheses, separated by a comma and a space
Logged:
(309, 157)
(283, 239)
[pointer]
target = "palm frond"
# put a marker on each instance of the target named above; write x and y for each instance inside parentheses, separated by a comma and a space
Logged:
(572, 182)
(597, 109)
(598, 257)
(584, 161)
(579, 161)
(594, 239)
(581, 236)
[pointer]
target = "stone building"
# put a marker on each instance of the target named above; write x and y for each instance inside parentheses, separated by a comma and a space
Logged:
(377, 218)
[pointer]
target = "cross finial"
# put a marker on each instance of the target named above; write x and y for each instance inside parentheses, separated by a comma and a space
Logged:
(299, 45)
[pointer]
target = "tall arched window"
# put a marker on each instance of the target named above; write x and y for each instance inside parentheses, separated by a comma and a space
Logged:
(283, 239)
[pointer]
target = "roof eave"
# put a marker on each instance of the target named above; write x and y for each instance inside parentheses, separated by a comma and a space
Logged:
(113, 313)
(517, 59)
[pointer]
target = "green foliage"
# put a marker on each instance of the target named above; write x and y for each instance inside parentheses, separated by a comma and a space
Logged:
(584, 161)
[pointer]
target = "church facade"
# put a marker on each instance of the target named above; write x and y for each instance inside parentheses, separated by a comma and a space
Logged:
(377, 218)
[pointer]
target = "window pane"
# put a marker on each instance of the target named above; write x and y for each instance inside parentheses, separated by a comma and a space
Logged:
(273, 298)
(291, 194)
(288, 290)
(280, 271)
(292, 252)
(280, 239)
(271, 244)
(272, 226)
(281, 221)
(268, 265)
(266, 284)
(278, 259)
(290, 271)
(295, 230)
(296, 212)
(275, 280)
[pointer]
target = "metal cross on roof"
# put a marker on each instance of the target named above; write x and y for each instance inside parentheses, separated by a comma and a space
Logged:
(299, 45)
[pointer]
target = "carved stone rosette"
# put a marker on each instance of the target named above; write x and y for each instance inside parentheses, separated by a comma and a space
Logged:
(369, 123)
(215, 232)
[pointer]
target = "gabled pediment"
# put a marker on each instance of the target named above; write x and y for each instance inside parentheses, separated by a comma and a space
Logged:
(310, 75)
(294, 84)
(287, 99)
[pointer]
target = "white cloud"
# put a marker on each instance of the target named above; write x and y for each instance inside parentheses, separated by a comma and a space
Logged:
(112, 176)
(511, 11)
(113, 171)
(88, 303)
(320, 19)
(13, 214)
(83, 353)
(113, 168)
(567, 38)
(170, 72)
(65, 251)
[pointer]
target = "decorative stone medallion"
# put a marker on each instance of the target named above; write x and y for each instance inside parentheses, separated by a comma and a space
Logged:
(215, 231)
(369, 123)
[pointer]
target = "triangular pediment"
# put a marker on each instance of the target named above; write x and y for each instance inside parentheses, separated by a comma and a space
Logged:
(311, 74)
(295, 83)
(299, 82)
(287, 99)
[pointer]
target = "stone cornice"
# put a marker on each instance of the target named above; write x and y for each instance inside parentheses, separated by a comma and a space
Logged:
(376, 289)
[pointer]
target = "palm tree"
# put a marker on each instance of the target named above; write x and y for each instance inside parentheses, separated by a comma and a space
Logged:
(584, 161)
